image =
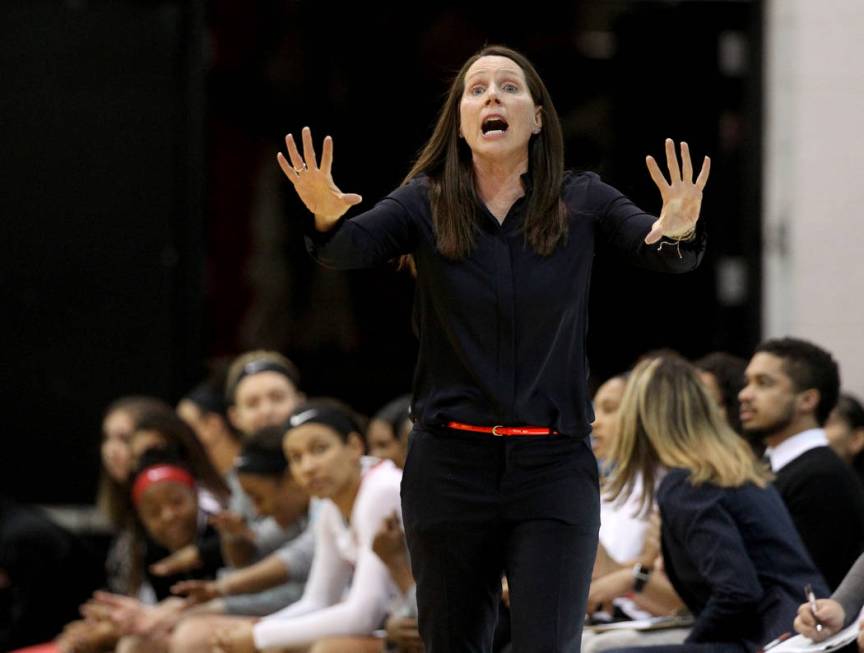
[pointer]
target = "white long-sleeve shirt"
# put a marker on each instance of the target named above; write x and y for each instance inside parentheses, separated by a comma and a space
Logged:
(344, 561)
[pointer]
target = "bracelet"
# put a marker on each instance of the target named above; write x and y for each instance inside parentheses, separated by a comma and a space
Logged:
(641, 574)
(686, 237)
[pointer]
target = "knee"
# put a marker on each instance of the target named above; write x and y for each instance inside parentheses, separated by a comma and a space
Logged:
(191, 635)
(129, 644)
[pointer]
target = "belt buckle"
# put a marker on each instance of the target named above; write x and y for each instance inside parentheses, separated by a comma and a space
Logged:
(495, 431)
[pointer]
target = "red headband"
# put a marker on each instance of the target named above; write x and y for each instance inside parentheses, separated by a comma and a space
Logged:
(158, 474)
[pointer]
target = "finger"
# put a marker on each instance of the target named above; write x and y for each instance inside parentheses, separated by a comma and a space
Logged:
(657, 176)
(160, 569)
(109, 598)
(702, 179)
(672, 161)
(352, 199)
(309, 149)
(327, 155)
(292, 177)
(293, 153)
(686, 165)
(655, 234)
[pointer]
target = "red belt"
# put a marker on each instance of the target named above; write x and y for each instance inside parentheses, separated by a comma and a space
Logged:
(502, 430)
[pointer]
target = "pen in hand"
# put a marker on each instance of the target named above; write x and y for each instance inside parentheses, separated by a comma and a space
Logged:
(808, 592)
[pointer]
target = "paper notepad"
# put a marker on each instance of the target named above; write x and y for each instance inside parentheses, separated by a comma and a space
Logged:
(801, 644)
(652, 623)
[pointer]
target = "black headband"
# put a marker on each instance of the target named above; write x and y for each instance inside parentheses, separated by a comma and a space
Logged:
(261, 463)
(335, 419)
(263, 365)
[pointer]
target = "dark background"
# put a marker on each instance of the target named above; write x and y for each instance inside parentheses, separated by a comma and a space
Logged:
(146, 231)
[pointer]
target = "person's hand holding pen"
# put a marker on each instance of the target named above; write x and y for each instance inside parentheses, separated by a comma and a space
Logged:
(827, 612)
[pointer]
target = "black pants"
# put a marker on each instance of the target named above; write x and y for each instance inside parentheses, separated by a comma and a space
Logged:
(476, 506)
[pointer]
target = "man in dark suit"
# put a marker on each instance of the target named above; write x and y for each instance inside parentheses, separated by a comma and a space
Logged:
(791, 387)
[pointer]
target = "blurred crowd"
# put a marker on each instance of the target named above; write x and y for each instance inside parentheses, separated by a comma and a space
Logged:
(252, 517)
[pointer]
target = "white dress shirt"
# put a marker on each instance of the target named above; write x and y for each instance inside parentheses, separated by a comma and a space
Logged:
(788, 450)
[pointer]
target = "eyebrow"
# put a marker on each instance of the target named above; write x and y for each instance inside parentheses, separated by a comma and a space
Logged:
(505, 71)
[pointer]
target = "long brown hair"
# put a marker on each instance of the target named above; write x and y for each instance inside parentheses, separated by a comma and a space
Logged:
(667, 419)
(446, 159)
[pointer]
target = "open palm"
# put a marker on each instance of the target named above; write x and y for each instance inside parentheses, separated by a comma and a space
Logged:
(314, 184)
(682, 197)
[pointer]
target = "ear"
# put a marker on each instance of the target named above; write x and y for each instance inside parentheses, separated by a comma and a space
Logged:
(356, 444)
(213, 427)
(808, 400)
(538, 119)
(856, 441)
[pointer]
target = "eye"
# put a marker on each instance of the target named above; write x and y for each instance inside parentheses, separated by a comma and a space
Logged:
(510, 87)
(477, 89)
(319, 448)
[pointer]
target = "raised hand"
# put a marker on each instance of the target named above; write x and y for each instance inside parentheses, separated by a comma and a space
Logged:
(314, 184)
(682, 197)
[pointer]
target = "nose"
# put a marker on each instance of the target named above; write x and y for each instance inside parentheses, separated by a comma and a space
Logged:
(492, 94)
(744, 394)
(167, 515)
(307, 466)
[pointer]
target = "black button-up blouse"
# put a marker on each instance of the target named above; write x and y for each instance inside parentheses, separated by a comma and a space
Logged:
(502, 332)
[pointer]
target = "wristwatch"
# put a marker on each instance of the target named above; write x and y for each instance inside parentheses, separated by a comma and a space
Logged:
(641, 574)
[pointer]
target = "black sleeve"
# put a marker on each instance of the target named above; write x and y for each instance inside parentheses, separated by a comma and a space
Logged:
(386, 231)
(624, 226)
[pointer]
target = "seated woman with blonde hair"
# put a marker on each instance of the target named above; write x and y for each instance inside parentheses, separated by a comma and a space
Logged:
(729, 546)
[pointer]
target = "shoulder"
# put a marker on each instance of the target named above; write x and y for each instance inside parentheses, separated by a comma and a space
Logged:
(818, 463)
(585, 191)
(819, 467)
(378, 497)
(682, 501)
(673, 483)
(413, 194)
